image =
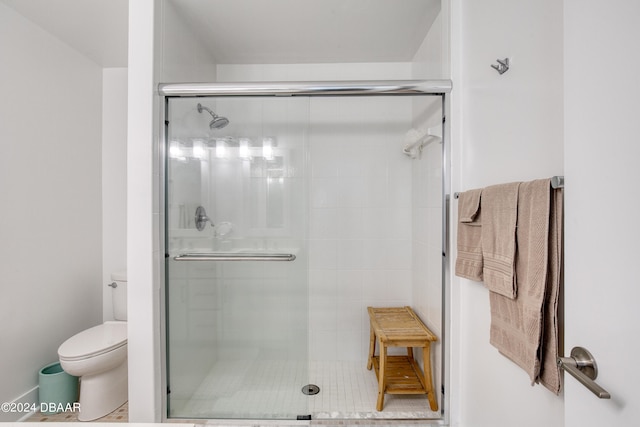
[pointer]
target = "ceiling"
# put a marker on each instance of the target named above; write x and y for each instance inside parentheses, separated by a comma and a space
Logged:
(302, 31)
(250, 31)
(98, 29)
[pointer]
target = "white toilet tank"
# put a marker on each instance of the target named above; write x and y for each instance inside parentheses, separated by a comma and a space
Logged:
(119, 295)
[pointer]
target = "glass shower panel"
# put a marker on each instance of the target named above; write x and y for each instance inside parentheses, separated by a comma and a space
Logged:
(237, 291)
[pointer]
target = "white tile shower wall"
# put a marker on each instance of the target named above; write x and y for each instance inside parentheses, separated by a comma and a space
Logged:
(231, 311)
(359, 202)
(427, 248)
(427, 236)
(360, 219)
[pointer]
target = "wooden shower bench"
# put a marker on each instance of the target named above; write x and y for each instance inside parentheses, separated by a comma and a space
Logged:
(400, 327)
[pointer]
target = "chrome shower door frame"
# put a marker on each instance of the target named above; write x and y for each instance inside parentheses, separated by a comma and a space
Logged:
(439, 88)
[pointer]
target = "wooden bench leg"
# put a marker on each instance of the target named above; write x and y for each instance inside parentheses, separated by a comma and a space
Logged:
(381, 376)
(428, 380)
(372, 347)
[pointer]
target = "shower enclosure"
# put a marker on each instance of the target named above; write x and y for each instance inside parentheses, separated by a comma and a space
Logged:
(290, 208)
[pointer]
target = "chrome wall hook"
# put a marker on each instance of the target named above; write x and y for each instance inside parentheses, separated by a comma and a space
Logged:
(502, 67)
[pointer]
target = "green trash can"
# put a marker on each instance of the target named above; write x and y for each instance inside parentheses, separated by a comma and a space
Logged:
(57, 389)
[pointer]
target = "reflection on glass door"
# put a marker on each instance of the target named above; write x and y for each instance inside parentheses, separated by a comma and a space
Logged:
(236, 270)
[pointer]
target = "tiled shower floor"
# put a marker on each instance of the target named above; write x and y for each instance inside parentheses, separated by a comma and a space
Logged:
(266, 389)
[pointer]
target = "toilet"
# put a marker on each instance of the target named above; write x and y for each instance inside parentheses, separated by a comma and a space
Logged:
(98, 356)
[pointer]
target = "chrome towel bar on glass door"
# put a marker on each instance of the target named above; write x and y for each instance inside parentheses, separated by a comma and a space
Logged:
(225, 256)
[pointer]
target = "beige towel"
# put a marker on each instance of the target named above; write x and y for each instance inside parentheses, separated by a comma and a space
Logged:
(499, 214)
(525, 329)
(469, 258)
(550, 342)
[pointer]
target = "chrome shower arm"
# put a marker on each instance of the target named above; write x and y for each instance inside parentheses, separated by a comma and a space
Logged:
(207, 109)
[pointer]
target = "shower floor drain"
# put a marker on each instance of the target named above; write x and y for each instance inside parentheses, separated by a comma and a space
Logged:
(310, 389)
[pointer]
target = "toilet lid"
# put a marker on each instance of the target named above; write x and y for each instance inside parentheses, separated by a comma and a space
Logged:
(94, 341)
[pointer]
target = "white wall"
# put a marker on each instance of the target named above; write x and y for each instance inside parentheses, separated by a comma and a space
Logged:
(145, 388)
(431, 59)
(50, 226)
(183, 56)
(114, 179)
(505, 128)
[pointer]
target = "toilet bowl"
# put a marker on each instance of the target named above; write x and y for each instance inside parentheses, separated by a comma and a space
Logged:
(98, 356)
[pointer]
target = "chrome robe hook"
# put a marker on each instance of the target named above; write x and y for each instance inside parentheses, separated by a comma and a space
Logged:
(502, 67)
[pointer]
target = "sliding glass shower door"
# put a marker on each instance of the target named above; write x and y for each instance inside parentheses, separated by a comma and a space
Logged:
(236, 264)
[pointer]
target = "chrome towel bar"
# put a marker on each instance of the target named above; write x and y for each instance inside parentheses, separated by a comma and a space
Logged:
(556, 182)
(226, 256)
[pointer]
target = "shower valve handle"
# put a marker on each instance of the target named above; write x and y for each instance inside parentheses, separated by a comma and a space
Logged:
(201, 218)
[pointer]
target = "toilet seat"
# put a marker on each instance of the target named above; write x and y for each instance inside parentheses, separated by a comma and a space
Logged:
(94, 341)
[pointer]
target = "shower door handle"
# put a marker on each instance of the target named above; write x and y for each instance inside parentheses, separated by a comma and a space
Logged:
(221, 256)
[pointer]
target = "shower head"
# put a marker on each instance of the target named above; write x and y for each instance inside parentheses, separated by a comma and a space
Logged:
(218, 122)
